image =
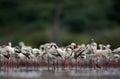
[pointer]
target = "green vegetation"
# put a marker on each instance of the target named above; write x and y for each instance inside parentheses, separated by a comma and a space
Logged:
(31, 21)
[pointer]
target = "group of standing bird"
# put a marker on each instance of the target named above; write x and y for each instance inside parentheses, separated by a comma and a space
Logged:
(52, 52)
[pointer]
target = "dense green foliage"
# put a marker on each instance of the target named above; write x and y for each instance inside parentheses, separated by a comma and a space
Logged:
(31, 20)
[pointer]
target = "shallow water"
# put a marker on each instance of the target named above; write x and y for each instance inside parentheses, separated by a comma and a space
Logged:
(43, 73)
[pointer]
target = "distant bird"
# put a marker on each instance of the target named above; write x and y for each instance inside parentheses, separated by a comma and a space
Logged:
(66, 52)
(49, 51)
(35, 52)
(73, 45)
(7, 50)
(25, 50)
(117, 50)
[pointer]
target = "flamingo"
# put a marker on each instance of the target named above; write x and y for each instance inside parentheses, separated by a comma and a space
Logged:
(26, 50)
(117, 50)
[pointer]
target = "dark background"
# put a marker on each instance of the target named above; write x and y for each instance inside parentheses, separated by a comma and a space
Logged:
(36, 22)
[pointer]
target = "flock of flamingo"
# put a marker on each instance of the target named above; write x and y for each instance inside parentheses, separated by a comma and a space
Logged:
(92, 55)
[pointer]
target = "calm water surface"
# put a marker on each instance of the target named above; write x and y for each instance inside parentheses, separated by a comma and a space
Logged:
(43, 73)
